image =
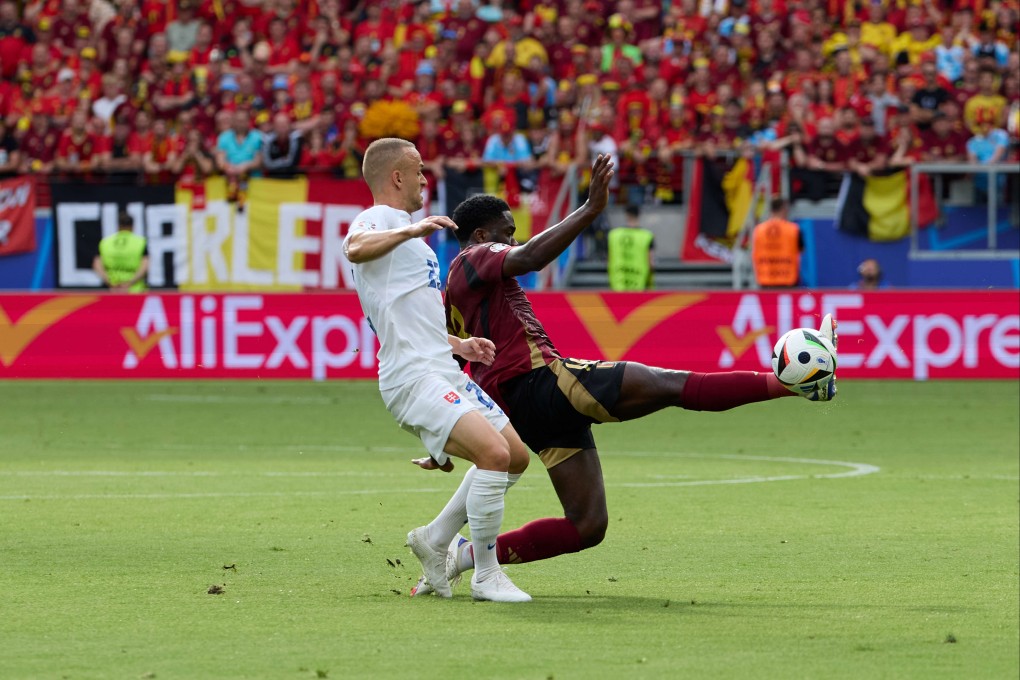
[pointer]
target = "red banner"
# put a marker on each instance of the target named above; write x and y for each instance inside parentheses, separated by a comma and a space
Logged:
(17, 209)
(921, 335)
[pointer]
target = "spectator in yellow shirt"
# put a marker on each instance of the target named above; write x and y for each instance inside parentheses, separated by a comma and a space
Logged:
(987, 106)
(876, 31)
(916, 41)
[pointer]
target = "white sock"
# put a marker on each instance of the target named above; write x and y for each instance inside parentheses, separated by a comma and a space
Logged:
(452, 518)
(464, 553)
(485, 514)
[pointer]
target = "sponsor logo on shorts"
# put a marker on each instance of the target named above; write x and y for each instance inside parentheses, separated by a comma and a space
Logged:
(452, 397)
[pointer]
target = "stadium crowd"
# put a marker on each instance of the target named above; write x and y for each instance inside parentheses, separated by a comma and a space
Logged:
(152, 91)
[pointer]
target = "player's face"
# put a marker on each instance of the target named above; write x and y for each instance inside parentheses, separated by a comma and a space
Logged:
(501, 230)
(414, 181)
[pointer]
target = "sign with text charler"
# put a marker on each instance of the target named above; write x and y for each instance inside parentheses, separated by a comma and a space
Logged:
(287, 236)
(919, 335)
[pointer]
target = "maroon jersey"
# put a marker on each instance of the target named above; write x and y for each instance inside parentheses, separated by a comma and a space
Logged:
(828, 149)
(481, 302)
(953, 146)
(864, 151)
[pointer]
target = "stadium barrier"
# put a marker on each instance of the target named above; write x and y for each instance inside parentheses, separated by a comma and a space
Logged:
(920, 335)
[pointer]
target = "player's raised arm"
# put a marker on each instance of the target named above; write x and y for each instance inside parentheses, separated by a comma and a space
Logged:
(364, 246)
(538, 252)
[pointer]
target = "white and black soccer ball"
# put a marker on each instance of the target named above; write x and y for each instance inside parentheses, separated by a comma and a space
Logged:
(804, 360)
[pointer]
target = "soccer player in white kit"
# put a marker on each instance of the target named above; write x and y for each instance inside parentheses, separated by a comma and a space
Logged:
(396, 275)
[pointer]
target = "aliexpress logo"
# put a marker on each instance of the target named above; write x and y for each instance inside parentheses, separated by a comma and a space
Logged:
(615, 338)
(16, 336)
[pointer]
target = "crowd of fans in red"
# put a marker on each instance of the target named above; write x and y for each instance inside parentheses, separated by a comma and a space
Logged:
(150, 90)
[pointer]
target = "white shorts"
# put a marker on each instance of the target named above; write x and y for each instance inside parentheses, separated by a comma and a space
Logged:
(429, 408)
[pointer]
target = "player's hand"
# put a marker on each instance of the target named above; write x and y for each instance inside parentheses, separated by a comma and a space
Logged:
(430, 225)
(598, 190)
(429, 463)
(481, 350)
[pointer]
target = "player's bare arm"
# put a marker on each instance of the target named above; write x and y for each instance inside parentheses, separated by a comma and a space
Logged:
(538, 252)
(365, 246)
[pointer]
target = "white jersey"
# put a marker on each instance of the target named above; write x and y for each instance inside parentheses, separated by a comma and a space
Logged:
(400, 295)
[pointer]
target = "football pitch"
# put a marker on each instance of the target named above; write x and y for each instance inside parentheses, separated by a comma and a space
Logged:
(255, 530)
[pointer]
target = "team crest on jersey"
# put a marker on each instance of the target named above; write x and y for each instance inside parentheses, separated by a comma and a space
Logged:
(499, 247)
(452, 397)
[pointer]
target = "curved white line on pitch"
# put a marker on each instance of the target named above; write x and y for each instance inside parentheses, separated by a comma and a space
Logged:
(855, 470)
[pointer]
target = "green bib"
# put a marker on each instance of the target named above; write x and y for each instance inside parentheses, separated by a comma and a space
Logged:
(628, 259)
(121, 255)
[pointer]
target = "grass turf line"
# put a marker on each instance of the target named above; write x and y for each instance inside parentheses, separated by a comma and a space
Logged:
(122, 502)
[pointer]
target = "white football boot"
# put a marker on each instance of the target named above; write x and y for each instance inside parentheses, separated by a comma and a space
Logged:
(433, 563)
(497, 588)
(453, 573)
(828, 331)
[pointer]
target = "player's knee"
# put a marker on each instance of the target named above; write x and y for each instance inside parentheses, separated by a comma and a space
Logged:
(519, 458)
(494, 455)
(592, 527)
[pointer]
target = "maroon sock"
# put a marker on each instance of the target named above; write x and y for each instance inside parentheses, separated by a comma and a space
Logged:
(723, 391)
(538, 540)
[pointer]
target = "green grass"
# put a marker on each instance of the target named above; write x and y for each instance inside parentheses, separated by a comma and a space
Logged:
(122, 502)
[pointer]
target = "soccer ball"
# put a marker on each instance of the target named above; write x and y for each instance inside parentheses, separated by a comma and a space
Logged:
(804, 360)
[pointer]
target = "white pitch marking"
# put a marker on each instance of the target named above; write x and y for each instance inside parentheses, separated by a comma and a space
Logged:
(856, 470)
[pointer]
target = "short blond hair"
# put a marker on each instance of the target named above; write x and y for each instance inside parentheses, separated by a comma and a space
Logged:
(381, 157)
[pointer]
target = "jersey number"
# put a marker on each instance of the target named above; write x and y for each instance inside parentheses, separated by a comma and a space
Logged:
(433, 274)
(482, 398)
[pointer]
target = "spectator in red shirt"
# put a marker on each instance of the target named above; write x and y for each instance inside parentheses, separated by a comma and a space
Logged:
(39, 146)
(848, 129)
(701, 95)
(825, 151)
(869, 152)
(202, 50)
(90, 79)
(42, 71)
(943, 143)
(15, 38)
(294, 22)
(63, 99)
(284, 49)
(160, 158)
(125, 44)
(140, 140)
(67, 24)
(78, 147)
(193, 163)
(176, 91)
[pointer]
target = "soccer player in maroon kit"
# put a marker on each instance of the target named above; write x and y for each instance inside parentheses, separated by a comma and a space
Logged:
(552, 401)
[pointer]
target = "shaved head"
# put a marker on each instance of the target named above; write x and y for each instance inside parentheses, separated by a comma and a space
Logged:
(382, 157)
